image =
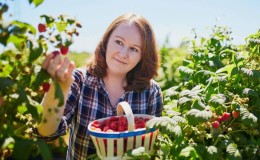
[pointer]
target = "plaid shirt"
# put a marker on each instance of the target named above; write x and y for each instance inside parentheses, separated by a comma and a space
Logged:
(88, 100)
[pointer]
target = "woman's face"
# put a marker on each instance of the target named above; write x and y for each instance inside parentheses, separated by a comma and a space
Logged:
(123, 49)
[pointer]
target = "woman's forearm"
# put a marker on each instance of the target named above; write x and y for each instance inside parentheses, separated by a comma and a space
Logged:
(52, 113)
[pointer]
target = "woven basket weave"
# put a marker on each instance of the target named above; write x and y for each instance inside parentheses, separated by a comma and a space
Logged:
(112, 145)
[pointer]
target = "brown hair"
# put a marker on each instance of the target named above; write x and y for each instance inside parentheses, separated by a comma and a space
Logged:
(139, 77)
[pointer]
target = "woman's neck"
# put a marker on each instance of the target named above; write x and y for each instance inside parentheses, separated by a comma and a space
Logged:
(115, 81)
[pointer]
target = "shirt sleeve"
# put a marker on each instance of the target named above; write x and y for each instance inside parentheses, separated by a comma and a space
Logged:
(70, 108)
(156, 99)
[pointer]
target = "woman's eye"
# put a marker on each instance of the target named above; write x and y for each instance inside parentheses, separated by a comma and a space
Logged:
(134, 49)
(119, 42)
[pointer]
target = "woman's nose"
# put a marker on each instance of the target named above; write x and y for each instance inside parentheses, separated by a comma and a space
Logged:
(124, 51)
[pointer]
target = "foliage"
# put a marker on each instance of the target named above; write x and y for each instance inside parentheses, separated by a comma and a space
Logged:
(21, 78)
(171, 59)
(217, 78)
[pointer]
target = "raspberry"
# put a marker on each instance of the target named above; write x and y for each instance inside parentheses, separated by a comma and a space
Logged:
(235, 114)
(215, 124)
(225, 116)
(55, 53)
(64, 50)
(113, 126)
(46, 86)
(121, 128)
(106, 128)
(41, 27)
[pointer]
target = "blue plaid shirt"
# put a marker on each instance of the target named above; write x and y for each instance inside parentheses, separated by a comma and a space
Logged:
(88, 100)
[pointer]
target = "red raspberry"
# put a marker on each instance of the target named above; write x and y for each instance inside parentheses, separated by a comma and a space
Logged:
(219, 119)
(96, 124)
(46, 86)
(121, 128)
(113, 126)
(55, 53)
(225, 116)
(106, 128)
(215, 124)
(41, 27)
(64, 50)
(235, 114)
(113, 118)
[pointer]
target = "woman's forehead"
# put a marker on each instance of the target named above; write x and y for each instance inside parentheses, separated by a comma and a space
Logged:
(128, 31)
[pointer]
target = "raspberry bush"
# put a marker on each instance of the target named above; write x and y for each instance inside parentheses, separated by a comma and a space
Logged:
(213, 113)
(23, 82)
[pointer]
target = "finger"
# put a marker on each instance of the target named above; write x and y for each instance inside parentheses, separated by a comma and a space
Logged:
(60, 73)
(70, 70)
(53, 66)
(48, 58)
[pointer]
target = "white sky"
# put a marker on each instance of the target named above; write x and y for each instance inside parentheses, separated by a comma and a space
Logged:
(174, 17)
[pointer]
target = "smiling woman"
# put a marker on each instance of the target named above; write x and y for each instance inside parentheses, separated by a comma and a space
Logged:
(126, 61)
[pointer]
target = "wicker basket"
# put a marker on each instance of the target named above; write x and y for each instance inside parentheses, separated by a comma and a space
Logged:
(112, 145)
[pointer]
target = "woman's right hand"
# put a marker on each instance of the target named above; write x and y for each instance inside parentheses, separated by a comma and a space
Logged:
(59, 69)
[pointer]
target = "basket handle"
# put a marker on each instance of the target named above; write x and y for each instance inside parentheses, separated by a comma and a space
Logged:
(125, 107)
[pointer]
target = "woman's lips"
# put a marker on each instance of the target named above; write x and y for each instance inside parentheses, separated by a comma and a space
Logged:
(120, 61)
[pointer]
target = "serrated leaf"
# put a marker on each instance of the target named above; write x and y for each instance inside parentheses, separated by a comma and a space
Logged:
(183, 100)
(185, 70)
(195, 116)
(247, 117)
(251, 73)
(250, 92)
(212, 153)
(179, 119)
(217, 100)
(233, 152)
(189, 152)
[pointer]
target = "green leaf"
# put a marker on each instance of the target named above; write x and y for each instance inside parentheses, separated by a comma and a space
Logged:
(24, 26)
(18, 41)
(61, 26)
(195, 116)
(35, 53)
(36, 2)
(49, 20)
(44, 150)
(217, 100)
(251, 73)
(58, 94)
(233, 152)
(227, 68)
(136, 154)
(7, 69)
(20, 152)
(41, 77)
(22, 109)
(212, 153)
(189, 152)
(247, 117)
(185, 70)
(5, 83)
(250, 92)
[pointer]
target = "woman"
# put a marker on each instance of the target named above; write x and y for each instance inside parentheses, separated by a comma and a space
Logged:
(126, 59)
